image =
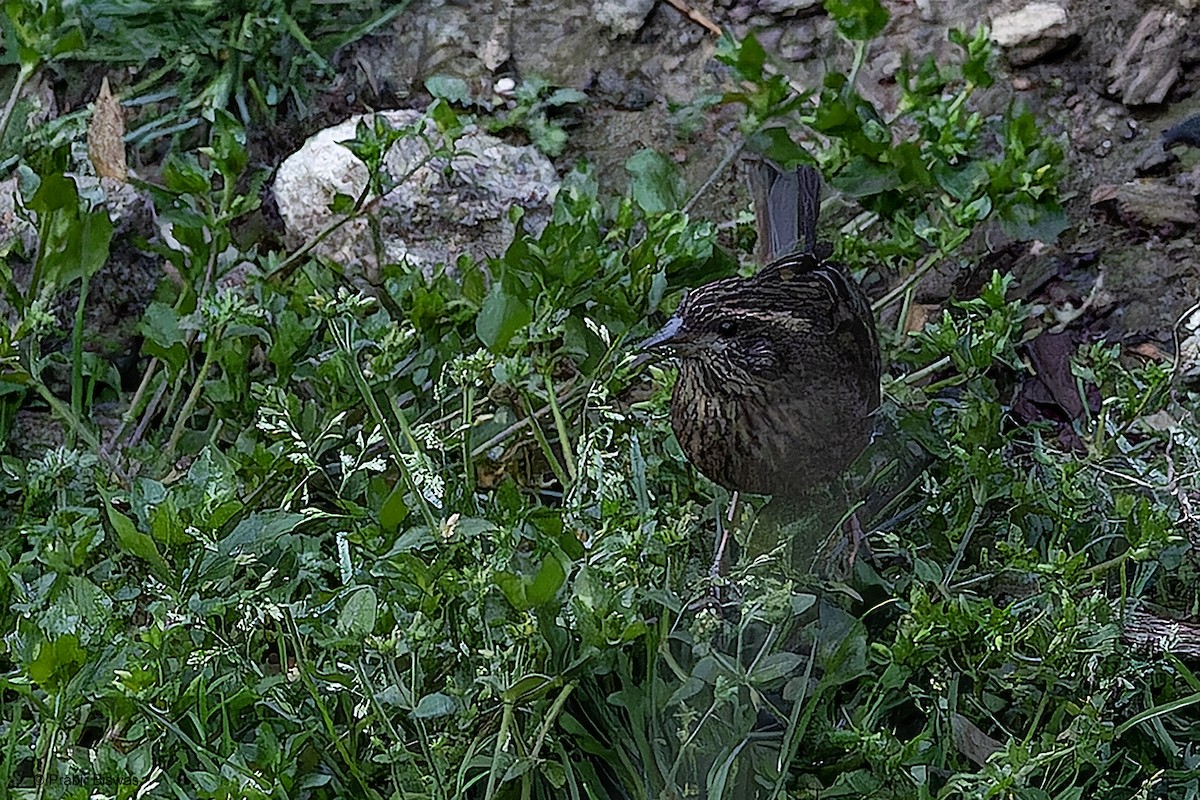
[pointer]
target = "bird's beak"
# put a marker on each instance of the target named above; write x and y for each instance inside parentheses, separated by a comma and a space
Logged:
(668, 336)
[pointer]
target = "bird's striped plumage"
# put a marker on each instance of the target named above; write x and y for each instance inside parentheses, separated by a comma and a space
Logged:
(779, 372)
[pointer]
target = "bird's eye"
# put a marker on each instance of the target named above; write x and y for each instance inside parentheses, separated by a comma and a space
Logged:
(726, 327)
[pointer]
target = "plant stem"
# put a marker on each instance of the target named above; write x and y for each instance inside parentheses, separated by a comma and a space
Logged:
(551, 715)
(23, 76)
(343, 336)
(568, 398)
(560, 425)
(192, 398)
(559, 472)
(77, 349)
(501, 735)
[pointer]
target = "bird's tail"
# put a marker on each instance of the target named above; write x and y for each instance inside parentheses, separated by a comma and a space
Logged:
(786, 205)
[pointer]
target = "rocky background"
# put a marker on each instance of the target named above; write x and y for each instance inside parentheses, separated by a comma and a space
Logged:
(1110, 76)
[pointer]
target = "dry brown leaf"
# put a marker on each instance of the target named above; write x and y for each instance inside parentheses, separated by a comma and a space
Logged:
(1149, 350)
(919, 315)
(106, 136)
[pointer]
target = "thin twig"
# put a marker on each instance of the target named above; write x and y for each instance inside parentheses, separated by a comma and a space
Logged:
(733, 153)
(560, 425)
(927, 263)
(925, 371)
(140, 430)
(695, 16)
(128, 417)
(565, 399)
(1177, 362)
(190, 402)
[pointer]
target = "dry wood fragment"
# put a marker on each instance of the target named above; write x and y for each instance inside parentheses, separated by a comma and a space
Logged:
(1149, 631)
(106, 136)
(695, 16)
(1146, 69)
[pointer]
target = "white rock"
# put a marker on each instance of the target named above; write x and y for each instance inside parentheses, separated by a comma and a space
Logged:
(1027, 24)
(1033, 32)
(432, 215)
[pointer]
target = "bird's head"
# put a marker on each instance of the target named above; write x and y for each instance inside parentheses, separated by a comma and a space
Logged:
(737, 328)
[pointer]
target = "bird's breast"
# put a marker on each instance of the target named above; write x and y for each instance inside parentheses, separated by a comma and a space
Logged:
(767, 437)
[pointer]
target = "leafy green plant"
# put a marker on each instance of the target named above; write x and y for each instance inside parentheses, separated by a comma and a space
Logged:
(73, 240)
(930, 174)
(253, 58)
(533, 108)
(32, 34)
(435, 539)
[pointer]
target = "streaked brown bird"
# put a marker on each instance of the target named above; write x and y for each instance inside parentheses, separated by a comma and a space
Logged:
(779, 373)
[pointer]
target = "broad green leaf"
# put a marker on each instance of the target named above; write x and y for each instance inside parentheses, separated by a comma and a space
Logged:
(513, 588)
(357, 619)
(434, 705)
(528, 688)
(136, 543)
(449, 88)
(547, 582)
(57, 661)
(654, 182)
(184, 175)
(777, 145)
(164, 338)
(858, 19)
(561, 97)
(394, 510)
(1042, 221)
(502, 315)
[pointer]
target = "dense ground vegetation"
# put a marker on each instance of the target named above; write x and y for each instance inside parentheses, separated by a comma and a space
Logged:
(438, 541)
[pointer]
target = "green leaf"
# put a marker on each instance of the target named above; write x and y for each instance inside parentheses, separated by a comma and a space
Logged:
(525, 593)
(164, 338)
(864, 177)
(858, 19)
(562, 97)
(445, 118)
(774, 667)
(434, 705)
(136, 543)
(342, 204)
(777, 145)
(1034, 221)
(394, 510)
(357, 619)
(513, 588)
(547, 582)
(70, 42)
(528, 688)
(54, 193)
(502, 315)
(96, 234)
(960, 183)
(57, 661)
(448, 88)
(655, 184)
(184, 175)
(750, 58)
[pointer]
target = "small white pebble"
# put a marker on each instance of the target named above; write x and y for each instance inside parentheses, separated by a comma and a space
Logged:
(504, 87)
